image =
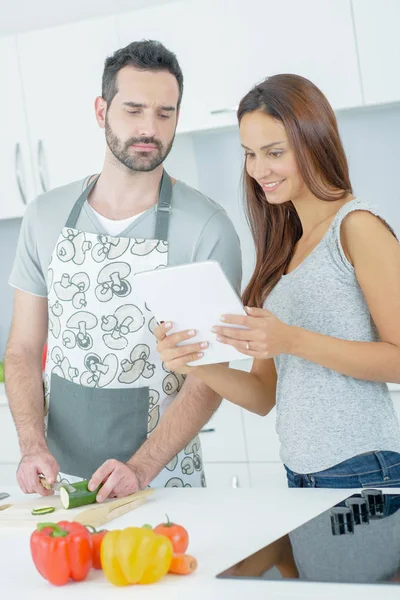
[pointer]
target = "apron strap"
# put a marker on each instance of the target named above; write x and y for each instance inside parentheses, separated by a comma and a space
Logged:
(163, 207)
(76, 209)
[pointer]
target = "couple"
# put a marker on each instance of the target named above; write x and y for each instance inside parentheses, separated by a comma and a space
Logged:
(120, 404)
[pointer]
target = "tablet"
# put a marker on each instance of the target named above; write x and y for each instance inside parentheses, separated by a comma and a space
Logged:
(193, 296)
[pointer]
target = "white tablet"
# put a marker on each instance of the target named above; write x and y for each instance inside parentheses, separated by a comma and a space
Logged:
(193, 296)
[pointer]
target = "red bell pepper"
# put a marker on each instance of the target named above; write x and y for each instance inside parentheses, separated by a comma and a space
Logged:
(62, 551)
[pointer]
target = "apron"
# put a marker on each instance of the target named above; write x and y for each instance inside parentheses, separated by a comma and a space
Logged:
(106, 388)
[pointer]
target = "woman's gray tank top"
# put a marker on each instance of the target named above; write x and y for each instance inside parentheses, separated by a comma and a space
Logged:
(323, 417)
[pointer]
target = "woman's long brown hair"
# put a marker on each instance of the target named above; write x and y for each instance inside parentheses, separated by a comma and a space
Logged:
(311, 127)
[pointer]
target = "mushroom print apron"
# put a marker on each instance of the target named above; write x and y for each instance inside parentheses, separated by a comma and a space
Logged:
(106, 388)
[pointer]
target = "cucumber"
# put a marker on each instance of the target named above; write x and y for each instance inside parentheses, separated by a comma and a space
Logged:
(79, 497)
(45, 510)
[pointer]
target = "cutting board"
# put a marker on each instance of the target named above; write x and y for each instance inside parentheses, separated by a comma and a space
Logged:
(19, 516)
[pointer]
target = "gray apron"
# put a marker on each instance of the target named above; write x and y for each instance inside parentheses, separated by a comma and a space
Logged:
(106, 388)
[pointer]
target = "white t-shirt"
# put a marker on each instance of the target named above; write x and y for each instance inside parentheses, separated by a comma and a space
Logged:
(113, 227)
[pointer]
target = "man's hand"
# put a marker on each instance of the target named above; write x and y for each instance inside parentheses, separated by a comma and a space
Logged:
(119, 480)
(29, 468)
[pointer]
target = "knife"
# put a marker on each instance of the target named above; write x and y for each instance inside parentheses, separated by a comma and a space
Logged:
(57, 485)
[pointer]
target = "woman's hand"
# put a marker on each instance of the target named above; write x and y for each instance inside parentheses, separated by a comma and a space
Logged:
(175, 358)
(265, 337)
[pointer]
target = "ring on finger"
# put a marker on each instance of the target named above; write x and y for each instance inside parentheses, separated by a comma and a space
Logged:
(247, 345)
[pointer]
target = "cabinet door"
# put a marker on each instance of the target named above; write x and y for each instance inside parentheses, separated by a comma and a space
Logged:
(16, 185)
(261, 438)
(9, 447)
(377, 30)
(61, 73)
(180, 27)
(225, 47)
(222, 438)
(259, 38)
(268, 475)
(229, 475)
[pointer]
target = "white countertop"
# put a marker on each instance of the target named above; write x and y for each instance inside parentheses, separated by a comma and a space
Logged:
(224, 526)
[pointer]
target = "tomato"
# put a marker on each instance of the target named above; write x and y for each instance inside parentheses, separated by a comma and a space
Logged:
(176, 533)
(97, 538)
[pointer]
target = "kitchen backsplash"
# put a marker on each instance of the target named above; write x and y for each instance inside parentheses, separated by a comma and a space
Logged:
(212, 161)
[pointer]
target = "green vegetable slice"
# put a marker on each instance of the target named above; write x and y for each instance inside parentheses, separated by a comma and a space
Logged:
(45, 510)
(81, 496)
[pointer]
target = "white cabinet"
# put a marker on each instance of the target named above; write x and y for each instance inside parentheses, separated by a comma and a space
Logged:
(377, 25)
(261, 437)
(9, 447)
(222, 439)
(247, 42)
(16, 184)
(181, 27)
(225, 47)
(268, 475)
(230, 475)
(61, 73)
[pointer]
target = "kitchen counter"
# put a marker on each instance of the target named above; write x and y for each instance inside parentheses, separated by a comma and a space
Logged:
(224, 527)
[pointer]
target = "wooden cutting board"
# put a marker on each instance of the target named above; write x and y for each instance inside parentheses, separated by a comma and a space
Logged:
(19, 516)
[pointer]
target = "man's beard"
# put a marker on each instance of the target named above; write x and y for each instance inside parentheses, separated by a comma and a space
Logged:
(140, 161)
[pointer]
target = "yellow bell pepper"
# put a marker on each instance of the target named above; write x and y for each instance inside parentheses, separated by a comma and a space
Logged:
(135, 555)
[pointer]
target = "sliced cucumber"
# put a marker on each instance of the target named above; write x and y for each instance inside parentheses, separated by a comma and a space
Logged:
(45, 510)
(79, 497)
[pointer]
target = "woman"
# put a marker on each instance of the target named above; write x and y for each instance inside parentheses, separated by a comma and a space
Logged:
(324, 300)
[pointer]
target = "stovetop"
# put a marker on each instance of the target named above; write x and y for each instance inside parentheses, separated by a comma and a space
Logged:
(356, 541)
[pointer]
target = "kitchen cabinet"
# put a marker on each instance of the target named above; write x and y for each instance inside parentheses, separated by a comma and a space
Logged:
(9, 447)
(61, 72)
(225, 47)
(261, 438)
(230, 475)
(16, 182)
(180, 27)
(377, 30)
(222, 438)
(267, 475)
(254, 47)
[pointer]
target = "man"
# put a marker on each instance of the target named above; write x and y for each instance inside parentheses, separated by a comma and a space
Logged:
(106, 388)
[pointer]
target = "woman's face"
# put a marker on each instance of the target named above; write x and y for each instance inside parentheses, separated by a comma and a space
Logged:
(270, 160)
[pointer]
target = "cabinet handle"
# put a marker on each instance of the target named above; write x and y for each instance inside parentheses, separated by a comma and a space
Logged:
(209, 430)
(19, 172)
(40, 151)
(222, 111)
(235, 482)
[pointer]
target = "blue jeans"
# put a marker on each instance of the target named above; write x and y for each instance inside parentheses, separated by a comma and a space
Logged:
(374, 469)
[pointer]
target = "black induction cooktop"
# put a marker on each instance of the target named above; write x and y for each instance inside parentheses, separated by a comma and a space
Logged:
(356, 541)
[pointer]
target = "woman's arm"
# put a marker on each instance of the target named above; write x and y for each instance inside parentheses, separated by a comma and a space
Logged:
(375, 255)
(254, 391)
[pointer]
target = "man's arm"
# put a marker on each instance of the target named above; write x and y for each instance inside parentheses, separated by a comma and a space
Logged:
(24, 388)
(181, 422)
(191, 409)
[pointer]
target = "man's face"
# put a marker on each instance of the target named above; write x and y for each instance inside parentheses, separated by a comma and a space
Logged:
(141, 120)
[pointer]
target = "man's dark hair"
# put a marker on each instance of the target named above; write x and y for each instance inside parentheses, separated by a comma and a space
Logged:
(148, 55)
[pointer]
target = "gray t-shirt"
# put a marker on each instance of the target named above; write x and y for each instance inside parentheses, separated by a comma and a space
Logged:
(199, 229)
(323, 417)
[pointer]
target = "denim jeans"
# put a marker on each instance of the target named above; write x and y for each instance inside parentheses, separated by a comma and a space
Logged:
(374, 469)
